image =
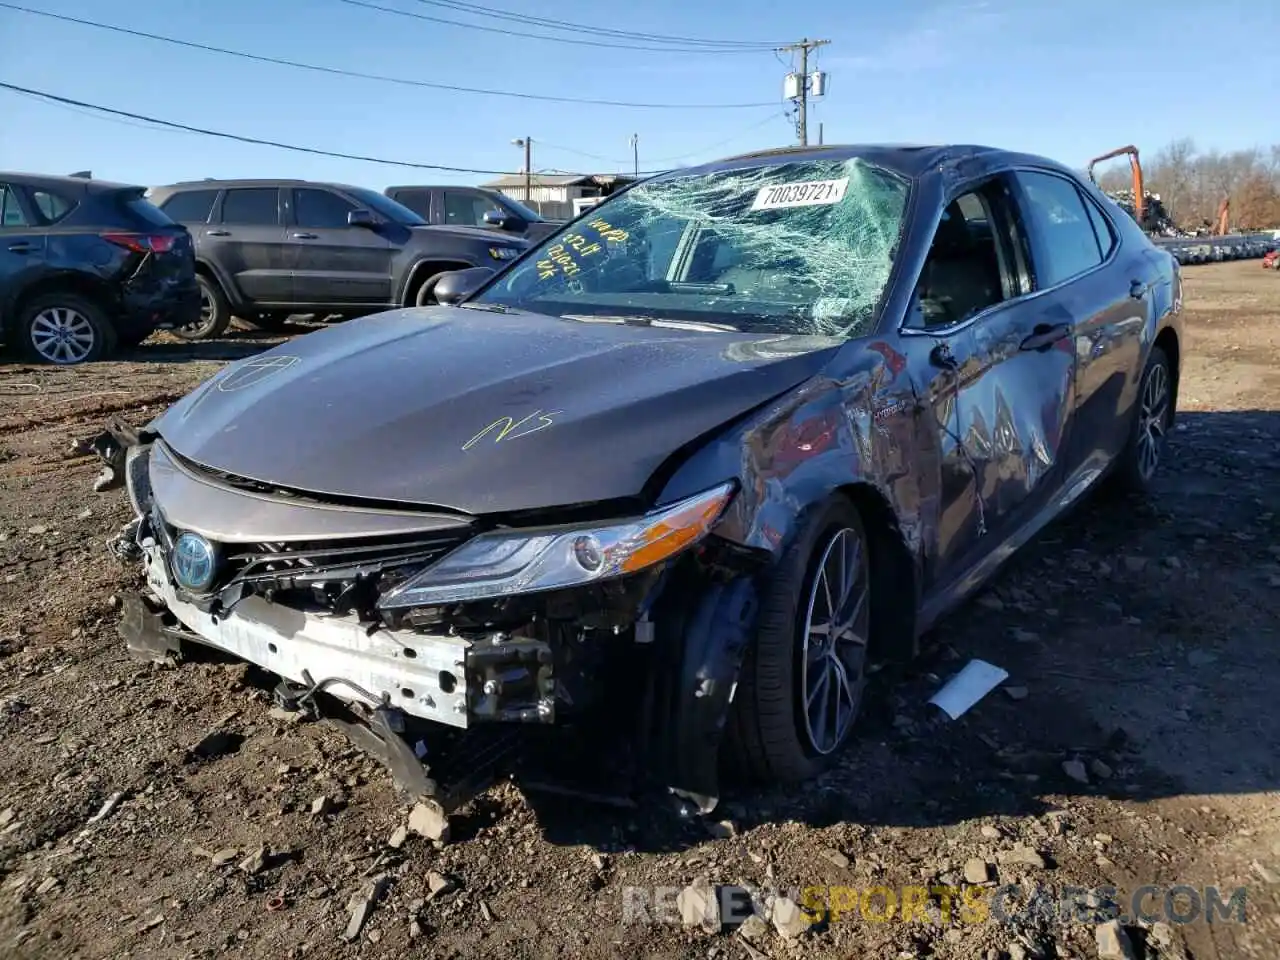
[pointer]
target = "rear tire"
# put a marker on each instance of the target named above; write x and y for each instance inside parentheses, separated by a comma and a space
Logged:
(215, 312)
(1136, 466)
(775, 731)
(65, 329)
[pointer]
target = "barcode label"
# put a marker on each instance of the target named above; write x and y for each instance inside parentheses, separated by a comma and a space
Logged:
(809, 194)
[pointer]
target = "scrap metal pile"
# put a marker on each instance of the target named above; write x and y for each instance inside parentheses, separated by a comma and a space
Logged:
(1197, 246)
(1208, 244)
(1155, 220)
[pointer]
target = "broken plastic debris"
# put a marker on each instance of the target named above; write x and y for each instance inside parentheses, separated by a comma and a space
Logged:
(967, 687)
(107, 808)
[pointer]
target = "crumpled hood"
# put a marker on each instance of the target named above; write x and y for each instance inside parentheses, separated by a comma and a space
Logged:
(476, 411)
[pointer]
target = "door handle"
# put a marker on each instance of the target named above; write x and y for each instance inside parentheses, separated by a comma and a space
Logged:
(218, 233)
(21, 246)
(304, 236)
(1044, 336)
(1138, 289)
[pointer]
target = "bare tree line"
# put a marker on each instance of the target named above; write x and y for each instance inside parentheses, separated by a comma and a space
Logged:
(1192, 183)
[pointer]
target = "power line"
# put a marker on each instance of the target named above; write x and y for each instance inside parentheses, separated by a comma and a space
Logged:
(720, 143)
(660, 160)
(494, 13)
(525, 35)
(124, 116)
(173, 125)
(136, 125)
(340, 72)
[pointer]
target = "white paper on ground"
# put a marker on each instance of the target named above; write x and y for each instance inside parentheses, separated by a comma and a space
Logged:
(961, 692)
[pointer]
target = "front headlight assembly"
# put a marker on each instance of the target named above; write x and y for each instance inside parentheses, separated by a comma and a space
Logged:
(508, 562)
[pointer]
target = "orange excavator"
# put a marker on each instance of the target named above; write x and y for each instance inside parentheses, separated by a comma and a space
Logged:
(1220, 228)
(1139, 195)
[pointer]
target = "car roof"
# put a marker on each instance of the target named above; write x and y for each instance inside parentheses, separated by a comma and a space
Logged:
(909, 160)
(76, 185)
(212, 184)
(441, 186)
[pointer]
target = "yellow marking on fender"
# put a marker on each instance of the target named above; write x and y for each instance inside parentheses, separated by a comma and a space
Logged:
(509, 428)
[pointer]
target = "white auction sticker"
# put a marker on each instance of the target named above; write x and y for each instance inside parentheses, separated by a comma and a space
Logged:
(808, 194)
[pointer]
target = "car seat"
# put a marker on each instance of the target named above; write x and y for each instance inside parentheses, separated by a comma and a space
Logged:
(960, 276)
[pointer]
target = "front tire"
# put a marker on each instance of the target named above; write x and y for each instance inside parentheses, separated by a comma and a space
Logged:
(215, 313)
(1137, 464)
(64, 329)
(801, 686)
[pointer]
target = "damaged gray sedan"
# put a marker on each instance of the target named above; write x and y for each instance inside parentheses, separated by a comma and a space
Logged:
(681, 472)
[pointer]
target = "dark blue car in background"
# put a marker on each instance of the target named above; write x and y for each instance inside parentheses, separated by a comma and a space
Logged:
(86, 266)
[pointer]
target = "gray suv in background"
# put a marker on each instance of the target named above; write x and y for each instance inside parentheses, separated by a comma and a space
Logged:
(463, 206)
(267, 249)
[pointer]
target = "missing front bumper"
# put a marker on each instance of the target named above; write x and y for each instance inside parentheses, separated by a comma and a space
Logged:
(422, 675)
(441, 763)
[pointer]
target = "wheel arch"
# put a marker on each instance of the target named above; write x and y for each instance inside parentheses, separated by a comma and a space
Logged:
(1167, 340)
(208, 269)
(893, 574)
(894, 569)
(80, 284)
(775, 499)
(713, 622)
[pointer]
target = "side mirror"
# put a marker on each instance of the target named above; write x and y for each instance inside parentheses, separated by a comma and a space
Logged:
(361, 218)
(456, 285)
(496, 218)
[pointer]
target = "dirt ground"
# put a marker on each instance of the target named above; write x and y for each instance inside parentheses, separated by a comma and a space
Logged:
(1141, 640)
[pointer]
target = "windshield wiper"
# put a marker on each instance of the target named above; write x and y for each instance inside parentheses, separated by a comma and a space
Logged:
(689, 286)
(635, 320)
(490, 307)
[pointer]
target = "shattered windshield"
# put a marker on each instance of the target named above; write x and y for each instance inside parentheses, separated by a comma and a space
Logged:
(790, 248)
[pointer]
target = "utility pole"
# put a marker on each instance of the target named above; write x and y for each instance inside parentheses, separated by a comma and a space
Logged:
(635, 154)
(802, 85)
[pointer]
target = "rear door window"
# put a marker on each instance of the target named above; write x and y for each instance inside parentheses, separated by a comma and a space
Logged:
(193, 206)
(419, 201)
(1069, 246)
(52, 206)
(11, 214)
(1101, 229)
(252, 207)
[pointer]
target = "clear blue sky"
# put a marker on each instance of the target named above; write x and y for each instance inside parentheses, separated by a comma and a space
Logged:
(1069, 80)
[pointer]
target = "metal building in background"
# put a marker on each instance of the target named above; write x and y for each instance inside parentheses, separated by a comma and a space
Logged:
(553, 195)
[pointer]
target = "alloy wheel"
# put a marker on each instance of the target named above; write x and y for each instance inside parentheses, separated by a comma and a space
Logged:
(63, 335)
(1153, 420)
(834, 653)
